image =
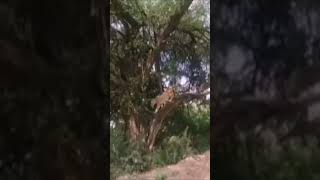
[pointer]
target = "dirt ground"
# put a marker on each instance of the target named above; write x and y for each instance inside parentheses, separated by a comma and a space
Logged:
(192, 168)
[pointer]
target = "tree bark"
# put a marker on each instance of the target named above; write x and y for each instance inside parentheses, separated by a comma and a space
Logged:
(159, 120)
(136, 127)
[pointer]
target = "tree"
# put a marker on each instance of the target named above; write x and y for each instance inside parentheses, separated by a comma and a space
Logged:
(153, 42)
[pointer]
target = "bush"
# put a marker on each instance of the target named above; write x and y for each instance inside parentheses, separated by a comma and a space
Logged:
(173, 149)
(198, 123)
(126, 157)
(187, 134)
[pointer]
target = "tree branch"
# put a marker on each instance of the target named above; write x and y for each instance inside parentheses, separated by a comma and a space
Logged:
(154, 55)
(120, 12)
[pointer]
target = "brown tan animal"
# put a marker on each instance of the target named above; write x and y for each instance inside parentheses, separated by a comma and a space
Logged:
(161, 100)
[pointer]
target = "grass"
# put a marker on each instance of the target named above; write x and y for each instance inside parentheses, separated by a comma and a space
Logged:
(188, 133)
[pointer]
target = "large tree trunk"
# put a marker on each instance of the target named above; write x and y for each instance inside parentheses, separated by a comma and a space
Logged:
(150, 132)
(133, 128)
(136, 127)
(139, 131)
(155, 128)
(159, 121)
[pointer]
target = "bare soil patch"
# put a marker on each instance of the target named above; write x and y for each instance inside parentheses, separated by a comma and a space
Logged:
(195, 167)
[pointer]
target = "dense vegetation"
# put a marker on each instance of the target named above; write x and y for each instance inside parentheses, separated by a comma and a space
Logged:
(155, 45)
(188, 134)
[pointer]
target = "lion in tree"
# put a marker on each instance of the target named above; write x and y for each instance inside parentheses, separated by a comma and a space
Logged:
(161, 100)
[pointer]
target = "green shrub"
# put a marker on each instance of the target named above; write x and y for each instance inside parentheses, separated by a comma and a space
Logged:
(187, 134)
(126, 157)
(198, 123)
(173, 149)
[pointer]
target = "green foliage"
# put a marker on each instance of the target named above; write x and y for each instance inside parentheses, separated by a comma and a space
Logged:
(133, 85)
(198, 122)
(187, 46)
(126, 157)
(173, 149)
(187, 134)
